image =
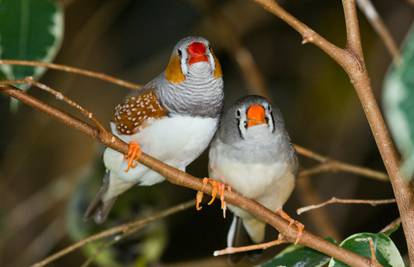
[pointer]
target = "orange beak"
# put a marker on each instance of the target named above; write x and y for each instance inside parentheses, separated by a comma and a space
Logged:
(197, 53)
(255, 115)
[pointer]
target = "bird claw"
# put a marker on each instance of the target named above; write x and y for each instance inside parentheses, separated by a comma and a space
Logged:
(217, 188)
(300, 227)
(134, 152)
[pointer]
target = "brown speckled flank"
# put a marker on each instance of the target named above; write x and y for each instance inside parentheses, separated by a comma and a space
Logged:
(136, 110)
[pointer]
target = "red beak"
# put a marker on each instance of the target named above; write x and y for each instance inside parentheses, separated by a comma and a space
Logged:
(197, 53)
(255, 115)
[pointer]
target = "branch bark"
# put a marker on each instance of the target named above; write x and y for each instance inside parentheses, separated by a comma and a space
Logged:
(352, 61)
(180, 178)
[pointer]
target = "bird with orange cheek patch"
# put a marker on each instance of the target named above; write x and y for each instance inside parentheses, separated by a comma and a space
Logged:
(172, 118)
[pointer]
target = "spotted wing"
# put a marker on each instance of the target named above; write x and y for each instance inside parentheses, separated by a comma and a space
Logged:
(134, 113)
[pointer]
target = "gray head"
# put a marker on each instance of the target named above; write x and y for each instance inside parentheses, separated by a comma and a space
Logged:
(192, 81)
(252, 119)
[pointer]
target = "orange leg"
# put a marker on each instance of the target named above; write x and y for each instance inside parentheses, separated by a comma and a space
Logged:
(217, 187)
(291, 221)
(134, 152)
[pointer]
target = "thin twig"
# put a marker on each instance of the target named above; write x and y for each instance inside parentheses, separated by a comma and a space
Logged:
(335, 165)
(138, 224)
(320, 218)
(334, 200)
(379, 26)
(87, 73)
(391, 225)
(262, 246)
(58, 95)
(99, 250)
(180, 178)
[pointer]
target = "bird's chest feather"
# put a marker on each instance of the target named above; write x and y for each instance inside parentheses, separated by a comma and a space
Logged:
(251, 180)
(176, 139)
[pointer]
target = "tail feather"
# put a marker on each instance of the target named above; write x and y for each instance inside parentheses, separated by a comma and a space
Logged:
(99, 210)
(111, 188)
(96, 207)
(239, 235)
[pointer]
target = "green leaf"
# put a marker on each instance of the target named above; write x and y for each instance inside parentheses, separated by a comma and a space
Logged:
(297, 255)
(386, 252)
(29, 30)
(398, 101)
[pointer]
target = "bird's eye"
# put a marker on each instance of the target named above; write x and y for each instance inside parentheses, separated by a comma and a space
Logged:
(269, 108)
(179, 52)
(238, 114)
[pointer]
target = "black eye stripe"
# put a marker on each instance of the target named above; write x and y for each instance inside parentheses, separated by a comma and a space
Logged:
(238, 128)
(180, 53)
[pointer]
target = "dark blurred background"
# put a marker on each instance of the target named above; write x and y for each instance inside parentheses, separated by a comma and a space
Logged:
(47, 169)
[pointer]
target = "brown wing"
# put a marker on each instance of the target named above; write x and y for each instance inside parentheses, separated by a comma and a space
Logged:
(136, 110)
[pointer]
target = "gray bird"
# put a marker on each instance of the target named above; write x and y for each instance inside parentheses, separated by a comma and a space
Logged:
(172, 118)
(252, 154)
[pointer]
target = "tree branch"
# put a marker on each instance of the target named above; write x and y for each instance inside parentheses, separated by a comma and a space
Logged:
(352, 61)
(180, 178)
(353, 38)
(391, 225)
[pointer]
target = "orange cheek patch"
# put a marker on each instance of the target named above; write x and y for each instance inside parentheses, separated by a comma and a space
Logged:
(173, 73)
(218, 73)
(255, 115)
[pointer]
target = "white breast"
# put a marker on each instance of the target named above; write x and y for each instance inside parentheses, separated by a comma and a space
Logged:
(176, 140)
(270, 184)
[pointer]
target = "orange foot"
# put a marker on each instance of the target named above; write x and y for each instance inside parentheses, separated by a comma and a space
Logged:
(134, 152)
(291, 221)
(217, 188)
